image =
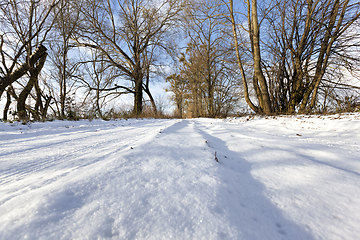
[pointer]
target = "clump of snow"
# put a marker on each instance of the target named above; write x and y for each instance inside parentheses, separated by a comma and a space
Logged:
(286, 177)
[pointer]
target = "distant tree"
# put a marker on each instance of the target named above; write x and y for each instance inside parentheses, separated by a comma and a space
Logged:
(178, 86)
(190, 87)
(98, 79)
(63, 56)
(206, 68)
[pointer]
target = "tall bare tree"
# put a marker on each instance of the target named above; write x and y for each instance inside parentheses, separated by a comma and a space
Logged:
(123, 31)
(63, 55)
(301, 40)
(207, 63)
(25, 24)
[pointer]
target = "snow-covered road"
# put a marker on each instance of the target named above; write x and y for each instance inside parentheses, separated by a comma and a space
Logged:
(283, 178)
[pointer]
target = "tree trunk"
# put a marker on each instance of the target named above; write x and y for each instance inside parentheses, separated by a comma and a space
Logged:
(18, 73)
(138, 98)
(147, 90)
(239, 62)
(324, 53)
(7, 105)
(257, 59)
(98, 108)
(46, 107)
(38, 105)
(21, 106)
(63, 87)
(138, 93)
(211, 100)
(34, 75)
(152, 100)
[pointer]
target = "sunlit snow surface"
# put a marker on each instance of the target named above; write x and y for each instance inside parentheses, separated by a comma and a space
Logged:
(277, 178)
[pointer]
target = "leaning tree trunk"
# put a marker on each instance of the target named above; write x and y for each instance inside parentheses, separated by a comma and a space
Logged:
(34, 75)
(18, 73)
(239, 61)
(147, 91)
(331, 34)
(40, 108)
(152, 100)
(265, 97)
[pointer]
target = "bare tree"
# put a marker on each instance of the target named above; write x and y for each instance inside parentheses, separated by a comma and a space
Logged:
(208, 61)
(63, 69)
(99, 82)
(191, 86)
(26, 24)
(291, 60)
(178, 86)
(123, 31)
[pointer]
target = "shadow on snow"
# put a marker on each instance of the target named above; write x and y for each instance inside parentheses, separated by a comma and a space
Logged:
(242, 199)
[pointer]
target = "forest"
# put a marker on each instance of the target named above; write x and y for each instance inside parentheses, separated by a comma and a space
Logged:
(72, 59)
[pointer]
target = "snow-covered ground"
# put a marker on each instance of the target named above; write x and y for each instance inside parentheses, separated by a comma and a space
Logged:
(277, 178)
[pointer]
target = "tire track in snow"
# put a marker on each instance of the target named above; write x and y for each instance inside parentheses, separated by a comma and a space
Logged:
(53, 159)
(60, 135)
(45, 160)
(171, 184)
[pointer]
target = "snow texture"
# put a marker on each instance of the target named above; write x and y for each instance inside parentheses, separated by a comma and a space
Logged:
(276, 178)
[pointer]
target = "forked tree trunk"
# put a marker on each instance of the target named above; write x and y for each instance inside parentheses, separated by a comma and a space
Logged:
(18, 73)
(34, 76)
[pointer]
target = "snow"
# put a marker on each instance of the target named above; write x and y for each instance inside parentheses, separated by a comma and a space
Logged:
(286, 177)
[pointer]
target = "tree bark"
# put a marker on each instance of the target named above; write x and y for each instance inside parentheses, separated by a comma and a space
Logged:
(138, 91)
(138, 98)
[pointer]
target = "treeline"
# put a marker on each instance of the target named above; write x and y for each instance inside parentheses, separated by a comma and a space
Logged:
(67, 59)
